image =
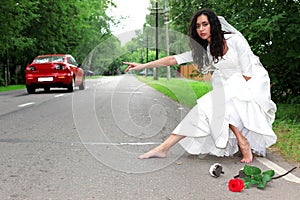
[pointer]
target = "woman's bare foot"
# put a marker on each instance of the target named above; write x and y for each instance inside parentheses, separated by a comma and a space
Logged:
(161, 150)
(246, 152)
(154, 153)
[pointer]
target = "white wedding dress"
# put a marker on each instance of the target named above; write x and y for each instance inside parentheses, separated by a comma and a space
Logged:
(245, 104)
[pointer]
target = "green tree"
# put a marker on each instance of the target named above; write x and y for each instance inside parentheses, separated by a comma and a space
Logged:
(104, 58)
(30, 28)
(14, 17)
(270, 26)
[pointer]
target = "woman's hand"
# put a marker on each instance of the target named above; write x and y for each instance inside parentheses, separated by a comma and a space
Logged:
(162, 62)
(133, 66)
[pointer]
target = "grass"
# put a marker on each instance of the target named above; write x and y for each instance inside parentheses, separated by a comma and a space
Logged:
(12, 87)
(286, 125)
(287, 129)
(183, 91)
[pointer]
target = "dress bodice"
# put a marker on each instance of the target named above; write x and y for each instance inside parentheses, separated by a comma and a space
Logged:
(229, 70)
(228, 65)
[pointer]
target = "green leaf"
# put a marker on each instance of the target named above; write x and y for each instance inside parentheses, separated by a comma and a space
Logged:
(246, 179)
(254, 182)
(271, 173)
(257, 177)
(266, 178)
(262, 185)
(251, 170)
(246, 185)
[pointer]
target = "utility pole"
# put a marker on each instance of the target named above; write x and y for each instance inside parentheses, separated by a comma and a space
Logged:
(147, 46)
(155, 70)
(147, 57)
(167, 39)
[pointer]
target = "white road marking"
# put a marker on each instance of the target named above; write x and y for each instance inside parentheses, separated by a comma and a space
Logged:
(279, 170)
(121, 143)
(129, 92)
(59, 95)
(26, 104)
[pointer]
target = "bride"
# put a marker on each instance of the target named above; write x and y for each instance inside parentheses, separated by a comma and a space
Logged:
(238, 113)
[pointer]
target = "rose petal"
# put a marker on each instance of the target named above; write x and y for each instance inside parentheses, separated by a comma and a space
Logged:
(236, 185)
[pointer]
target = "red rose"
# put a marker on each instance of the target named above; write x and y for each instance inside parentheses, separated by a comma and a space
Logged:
(236, 185)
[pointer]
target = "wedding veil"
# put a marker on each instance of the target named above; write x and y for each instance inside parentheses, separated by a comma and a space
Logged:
(225, 26)
(229, 28)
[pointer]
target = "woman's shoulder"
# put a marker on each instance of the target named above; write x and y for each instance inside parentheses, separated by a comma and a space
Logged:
(232, 36)
(235, 39)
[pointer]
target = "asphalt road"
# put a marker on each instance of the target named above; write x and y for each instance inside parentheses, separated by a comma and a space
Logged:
(83, 145)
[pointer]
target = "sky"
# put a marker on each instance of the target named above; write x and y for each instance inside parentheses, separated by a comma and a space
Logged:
(135, 11)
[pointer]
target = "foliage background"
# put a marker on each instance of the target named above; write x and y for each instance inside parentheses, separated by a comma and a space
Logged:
(34, 27)
(81, 27)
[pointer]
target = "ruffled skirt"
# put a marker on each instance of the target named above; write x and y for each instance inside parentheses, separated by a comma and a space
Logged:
(245, 105)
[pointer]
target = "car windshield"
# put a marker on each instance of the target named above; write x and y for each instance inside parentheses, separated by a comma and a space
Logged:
(47, 59)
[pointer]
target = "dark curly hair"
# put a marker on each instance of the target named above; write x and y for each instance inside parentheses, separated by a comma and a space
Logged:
(199, 46)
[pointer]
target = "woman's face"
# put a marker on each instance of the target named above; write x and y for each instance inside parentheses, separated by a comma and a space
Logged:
(203, 27)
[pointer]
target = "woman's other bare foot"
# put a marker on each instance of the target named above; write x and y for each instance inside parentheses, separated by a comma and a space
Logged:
(246, 152)
(154, 153)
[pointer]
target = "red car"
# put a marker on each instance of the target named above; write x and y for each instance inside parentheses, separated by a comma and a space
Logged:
(54, 70)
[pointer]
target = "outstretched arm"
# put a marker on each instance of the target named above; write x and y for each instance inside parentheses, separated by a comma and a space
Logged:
(162, 62)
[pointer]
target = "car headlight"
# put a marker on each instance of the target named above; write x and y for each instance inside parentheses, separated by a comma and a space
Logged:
(32, 68)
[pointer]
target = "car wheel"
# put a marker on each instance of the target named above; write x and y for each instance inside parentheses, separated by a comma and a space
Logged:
(30, 89)
(71, 86)
(47, 89)
(82, 85)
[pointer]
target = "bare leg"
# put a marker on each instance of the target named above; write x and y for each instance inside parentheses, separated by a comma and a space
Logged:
(243, 144)
(161, 150)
